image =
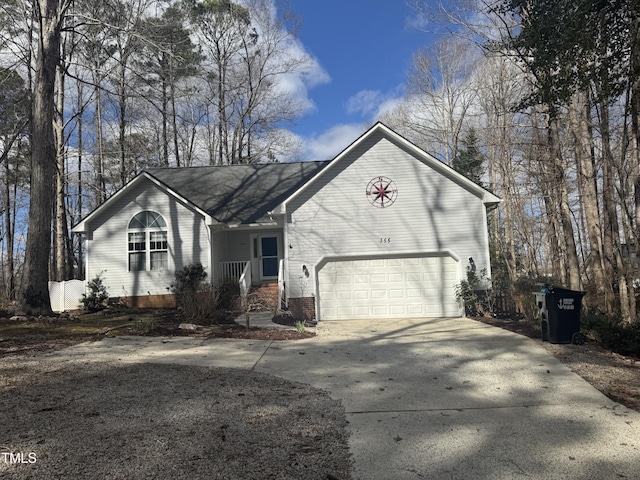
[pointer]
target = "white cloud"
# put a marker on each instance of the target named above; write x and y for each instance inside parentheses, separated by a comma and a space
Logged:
(316, 74)
(388, 105)
(331, 142)
(364, 102)
(298, 84)
(371, 104)
(299, 71)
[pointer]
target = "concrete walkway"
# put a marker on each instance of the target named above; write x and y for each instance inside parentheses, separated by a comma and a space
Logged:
(436, 398)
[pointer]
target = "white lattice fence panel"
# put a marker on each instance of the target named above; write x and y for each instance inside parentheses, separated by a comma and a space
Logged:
(66, 295)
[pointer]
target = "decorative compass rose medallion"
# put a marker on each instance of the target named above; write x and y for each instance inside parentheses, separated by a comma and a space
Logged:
(381, 192)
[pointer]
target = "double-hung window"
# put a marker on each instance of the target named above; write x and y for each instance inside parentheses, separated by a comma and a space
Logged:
(147, 242)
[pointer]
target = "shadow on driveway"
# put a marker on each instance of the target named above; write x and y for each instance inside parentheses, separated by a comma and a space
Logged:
(454, 398)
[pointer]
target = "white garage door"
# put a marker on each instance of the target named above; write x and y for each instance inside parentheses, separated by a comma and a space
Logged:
(388, 288)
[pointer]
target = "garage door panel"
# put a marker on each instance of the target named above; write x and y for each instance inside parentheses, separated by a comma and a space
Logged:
(388, 288)
(378, 278)
(417, 310)
(379, 311)
(343, 295)
(395, 278)
(450, 277)
(379, 294)
(396, 293)
(415, 293)
(361, 294)
(414, 277)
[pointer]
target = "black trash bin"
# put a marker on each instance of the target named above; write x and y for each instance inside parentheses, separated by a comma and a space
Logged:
(560, 314)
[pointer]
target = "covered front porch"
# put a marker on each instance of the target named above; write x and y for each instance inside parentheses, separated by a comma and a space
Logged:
(250, 257)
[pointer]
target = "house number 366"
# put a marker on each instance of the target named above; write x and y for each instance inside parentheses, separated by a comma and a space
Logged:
(385, 240)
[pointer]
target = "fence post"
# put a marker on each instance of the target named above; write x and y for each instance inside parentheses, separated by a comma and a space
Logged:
(62, 297)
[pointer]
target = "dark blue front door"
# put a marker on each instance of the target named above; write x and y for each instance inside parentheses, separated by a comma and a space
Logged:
(269, 254)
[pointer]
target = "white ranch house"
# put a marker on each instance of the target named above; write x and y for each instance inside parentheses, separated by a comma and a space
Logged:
(384, 230)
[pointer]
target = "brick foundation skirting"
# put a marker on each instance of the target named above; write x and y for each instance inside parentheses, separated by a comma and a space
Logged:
(150, 301)
(304, 307)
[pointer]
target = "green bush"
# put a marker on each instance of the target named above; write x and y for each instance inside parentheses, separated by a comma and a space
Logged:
(196, 299)
(97, 296)
(474, 294)
(612, 333)
(229, 295)
(190, 278)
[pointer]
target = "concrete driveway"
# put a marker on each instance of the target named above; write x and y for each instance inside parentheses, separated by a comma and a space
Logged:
(433, 398)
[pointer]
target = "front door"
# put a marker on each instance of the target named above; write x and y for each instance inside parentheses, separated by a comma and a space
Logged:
(268, 257)
(265, 257)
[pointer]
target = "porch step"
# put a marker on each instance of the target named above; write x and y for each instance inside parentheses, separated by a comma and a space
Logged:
(264, 297)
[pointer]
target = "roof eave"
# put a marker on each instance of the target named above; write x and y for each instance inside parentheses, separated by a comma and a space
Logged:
(81, 227)
(487, 197)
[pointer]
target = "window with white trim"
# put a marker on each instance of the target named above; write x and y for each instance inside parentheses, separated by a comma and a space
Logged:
(147, 242)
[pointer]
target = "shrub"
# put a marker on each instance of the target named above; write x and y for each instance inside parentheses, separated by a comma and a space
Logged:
(473, 293)
(612, 333)
(522, 295)
(196, 298)
(229, 295)
(97, 296)
(145, 325)
(190, 278)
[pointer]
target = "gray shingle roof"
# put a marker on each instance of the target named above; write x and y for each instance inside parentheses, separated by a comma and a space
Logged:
(238, 193)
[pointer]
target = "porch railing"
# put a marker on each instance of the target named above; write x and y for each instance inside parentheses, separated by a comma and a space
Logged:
(245, 279)
(232, 271)
(281, 286)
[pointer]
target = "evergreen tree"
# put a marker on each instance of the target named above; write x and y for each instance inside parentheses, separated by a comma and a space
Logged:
(469, 161)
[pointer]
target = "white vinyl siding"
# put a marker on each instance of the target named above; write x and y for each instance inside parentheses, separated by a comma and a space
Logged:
(402, 287)
(333, 217)
(187, 241)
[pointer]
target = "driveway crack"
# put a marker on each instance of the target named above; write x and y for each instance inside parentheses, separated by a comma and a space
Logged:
(263, 354)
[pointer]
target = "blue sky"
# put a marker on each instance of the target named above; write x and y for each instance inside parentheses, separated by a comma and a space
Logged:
(364, 49)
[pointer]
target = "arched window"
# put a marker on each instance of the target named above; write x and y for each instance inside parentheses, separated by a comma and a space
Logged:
(147, 234)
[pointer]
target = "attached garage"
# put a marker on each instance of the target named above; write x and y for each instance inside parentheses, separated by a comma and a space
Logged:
(388, 287)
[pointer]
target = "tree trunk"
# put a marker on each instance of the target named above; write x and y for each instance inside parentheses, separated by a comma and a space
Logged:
(570, 250)
(34, 297)
(100, 180)
(164, 113)
(122, 125)
(612, 247)
(583, 147)
(552, 226)
(635, 140)
(79, 256)
(60, 207)
(9, 229)
(174, 120)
